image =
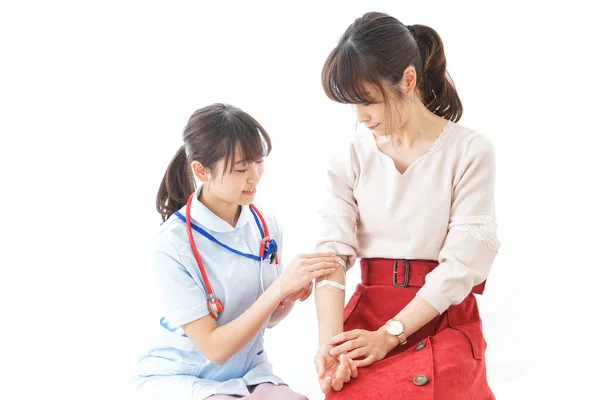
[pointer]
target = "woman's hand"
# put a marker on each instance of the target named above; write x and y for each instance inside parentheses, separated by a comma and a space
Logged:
(333, 372)
(366, 347)
(299, 274)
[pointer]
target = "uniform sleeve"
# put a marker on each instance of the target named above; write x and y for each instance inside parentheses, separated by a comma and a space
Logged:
(184, 299)
(471, 243)
(339, 211)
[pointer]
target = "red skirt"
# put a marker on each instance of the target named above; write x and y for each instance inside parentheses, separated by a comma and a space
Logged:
(444, 360)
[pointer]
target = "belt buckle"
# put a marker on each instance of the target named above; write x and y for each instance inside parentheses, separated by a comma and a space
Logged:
(406, 273)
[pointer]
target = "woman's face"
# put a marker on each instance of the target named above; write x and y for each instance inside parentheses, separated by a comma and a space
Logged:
(380, 116)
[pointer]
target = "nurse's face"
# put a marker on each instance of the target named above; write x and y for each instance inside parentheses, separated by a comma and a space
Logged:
(237, 186)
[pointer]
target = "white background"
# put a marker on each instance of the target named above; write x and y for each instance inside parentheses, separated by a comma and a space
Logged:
(93, 100)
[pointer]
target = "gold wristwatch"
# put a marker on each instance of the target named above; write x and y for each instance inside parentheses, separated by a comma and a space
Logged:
(396, 328)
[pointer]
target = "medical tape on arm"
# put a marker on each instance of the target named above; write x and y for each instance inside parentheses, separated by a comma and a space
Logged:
(333, 284)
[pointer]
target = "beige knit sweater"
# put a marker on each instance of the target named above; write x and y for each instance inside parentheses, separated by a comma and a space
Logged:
(441, 208)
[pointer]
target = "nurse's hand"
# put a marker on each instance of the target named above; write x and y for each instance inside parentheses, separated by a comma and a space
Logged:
(366, 347)
(303, 270)
(333, 372)
(301, 294)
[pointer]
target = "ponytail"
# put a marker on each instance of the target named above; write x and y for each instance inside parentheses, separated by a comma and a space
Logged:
(377, 48)
(176, 186)
(213, 133)
(436, 86)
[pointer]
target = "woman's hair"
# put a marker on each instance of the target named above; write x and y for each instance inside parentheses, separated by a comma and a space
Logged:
(211, 134)
(376, 49)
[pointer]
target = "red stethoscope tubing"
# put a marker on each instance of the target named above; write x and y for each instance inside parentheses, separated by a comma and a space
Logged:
(215, 305)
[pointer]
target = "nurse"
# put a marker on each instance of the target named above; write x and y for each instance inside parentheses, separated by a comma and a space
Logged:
(219, 268)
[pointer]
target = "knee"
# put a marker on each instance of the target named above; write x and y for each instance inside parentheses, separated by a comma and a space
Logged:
(283, 392)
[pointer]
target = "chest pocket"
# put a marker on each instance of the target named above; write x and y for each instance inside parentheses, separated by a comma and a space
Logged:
(270, 272)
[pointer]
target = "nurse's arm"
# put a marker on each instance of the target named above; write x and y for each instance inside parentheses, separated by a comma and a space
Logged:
(219, 343)
(280, 313)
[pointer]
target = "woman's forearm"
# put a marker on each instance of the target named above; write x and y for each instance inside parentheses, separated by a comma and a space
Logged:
(414, 316)
(330, 307)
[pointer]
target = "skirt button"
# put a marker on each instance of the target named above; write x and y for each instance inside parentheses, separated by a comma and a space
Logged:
(420, 380)
(420, 345)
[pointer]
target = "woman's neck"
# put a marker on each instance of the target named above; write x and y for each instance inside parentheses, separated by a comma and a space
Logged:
(422, 127)
(228, 212)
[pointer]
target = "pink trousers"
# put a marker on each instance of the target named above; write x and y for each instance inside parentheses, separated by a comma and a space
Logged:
(264, 391)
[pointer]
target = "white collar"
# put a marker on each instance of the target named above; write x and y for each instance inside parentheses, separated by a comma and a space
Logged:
(203, 216)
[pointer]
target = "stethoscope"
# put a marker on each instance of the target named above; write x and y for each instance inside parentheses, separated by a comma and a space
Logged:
(268, 249)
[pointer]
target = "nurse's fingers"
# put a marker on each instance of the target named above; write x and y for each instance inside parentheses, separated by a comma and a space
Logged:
(296, 295)
(322, 272)
(306, 296)
(293, 298)
(317, 260)
(302, 294)
(322, 265)
(307, 292)
(311, 256)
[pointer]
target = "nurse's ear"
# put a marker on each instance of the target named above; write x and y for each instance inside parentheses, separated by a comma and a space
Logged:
(200, 172)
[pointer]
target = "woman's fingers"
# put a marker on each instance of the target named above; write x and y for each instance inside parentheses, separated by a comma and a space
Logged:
(353, 367)
(345, 347)
(356, 353)
(337, 384)
(342, 374)
(326, 384)
(320, 365)
(345, 336)
(366, 362)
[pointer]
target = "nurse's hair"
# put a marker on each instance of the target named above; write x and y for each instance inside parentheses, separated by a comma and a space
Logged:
(376, 49)
(211, 134)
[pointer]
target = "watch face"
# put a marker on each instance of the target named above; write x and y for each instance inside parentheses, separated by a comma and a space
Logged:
(395, 327)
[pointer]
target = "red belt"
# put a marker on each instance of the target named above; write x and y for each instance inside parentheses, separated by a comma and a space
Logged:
(400, 273)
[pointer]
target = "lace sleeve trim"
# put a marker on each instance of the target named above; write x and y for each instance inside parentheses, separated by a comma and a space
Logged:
(334, 206)
(481, 227)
